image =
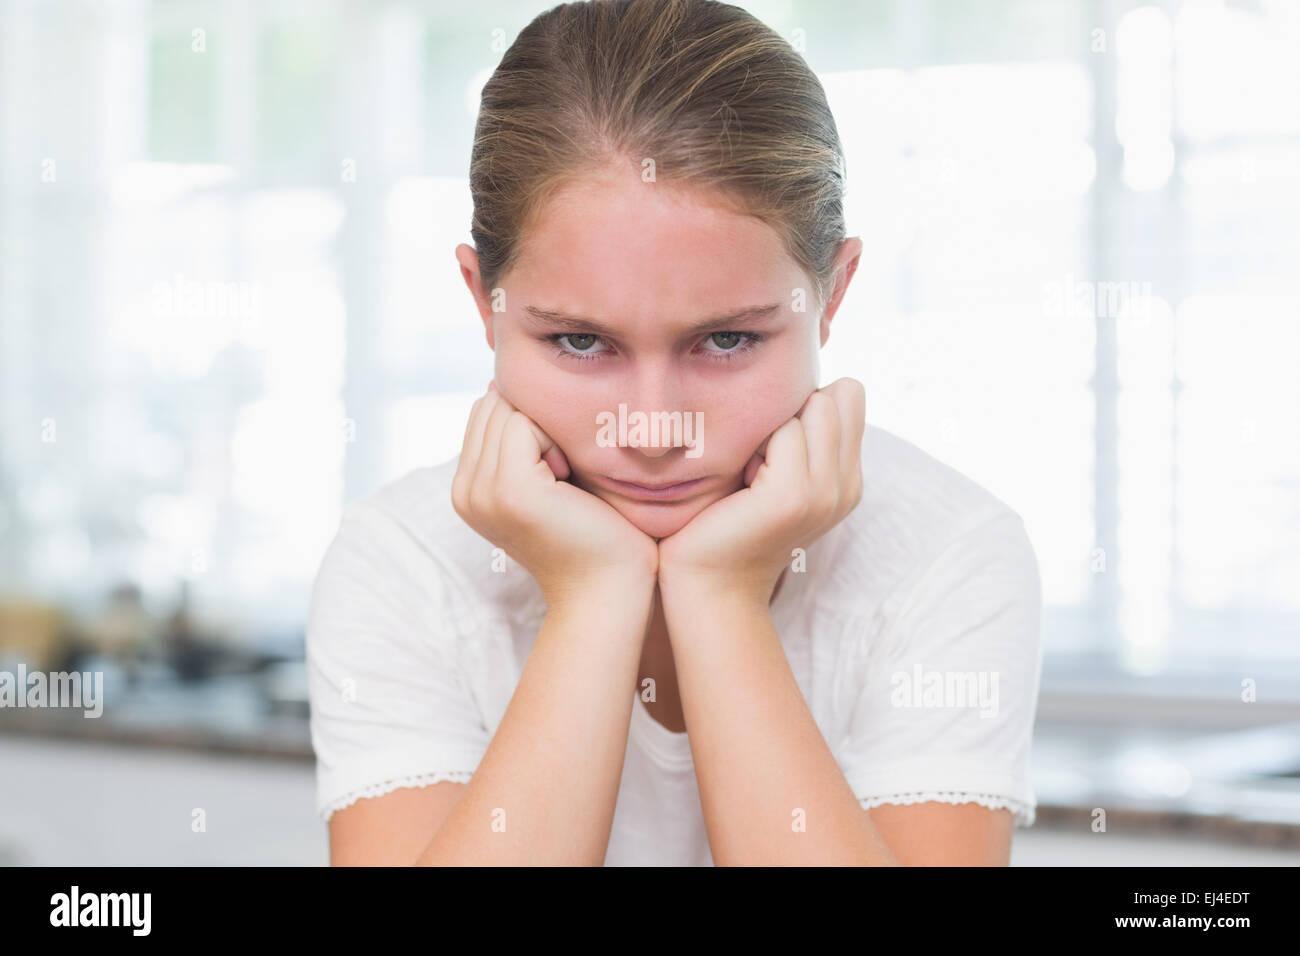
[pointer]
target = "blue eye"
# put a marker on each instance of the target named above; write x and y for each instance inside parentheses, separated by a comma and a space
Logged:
(581, 351)
(749, 339)
(579, 345)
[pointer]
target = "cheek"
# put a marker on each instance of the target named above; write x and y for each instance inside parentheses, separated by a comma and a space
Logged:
(734, 439)
(555, 401)
(567, 421)
(742, 426)
(518, 373)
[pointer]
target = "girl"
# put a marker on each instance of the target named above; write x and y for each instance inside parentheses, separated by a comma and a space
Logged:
(782, 637)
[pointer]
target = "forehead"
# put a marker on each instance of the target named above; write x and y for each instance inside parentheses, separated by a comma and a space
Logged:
(622, 250)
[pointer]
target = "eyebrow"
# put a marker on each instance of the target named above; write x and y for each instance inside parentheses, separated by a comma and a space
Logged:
(576, 323)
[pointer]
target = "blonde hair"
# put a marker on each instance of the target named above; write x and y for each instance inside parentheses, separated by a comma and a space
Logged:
(717, 99)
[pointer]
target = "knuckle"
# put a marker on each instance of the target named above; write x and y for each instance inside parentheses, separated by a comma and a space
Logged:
(480, 500)
(794, 509)
(831, 502)
(517, 421)
(510, 501)
(850, 501)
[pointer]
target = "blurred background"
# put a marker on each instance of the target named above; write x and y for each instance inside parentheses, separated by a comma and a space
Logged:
(229, 305)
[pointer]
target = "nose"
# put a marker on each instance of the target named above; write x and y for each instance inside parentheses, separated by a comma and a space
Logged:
(657, 392)
(655, 450)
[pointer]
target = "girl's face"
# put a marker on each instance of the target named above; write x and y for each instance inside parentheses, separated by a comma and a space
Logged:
(659, 277)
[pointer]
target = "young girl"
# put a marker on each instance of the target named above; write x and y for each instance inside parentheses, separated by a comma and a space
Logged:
(768, 635)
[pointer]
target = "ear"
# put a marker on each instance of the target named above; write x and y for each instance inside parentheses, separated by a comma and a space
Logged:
(846, 263)
(467, 256)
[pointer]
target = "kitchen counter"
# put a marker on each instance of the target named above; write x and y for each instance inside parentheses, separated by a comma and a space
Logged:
(1240, 786)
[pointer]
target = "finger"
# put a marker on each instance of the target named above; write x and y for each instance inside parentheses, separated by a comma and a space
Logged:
(852, 400)
(757, 459)
(546, 450)
(490, 459)
(549, 452)
(541, 448)
(787, 459)
(472, 447)
(760, 456)
(558, 463)
(821, 426)
(522, 444)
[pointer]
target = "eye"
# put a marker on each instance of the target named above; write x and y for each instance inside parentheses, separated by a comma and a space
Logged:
(580, 345)
(734, 343)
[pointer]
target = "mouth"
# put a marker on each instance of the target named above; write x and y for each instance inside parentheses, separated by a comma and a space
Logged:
(661, 492)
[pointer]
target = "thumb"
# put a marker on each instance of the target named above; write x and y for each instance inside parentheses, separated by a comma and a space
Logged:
(559, 464)
(551, 453)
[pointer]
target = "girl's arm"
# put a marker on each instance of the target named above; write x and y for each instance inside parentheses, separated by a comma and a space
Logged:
(546, 788)
(545, 791)
(771, 790)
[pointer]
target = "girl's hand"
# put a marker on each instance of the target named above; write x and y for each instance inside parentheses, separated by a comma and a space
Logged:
(811, 478)
(508, 487)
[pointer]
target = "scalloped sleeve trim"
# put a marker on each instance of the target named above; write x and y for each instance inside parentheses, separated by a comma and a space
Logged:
(946, 780)
(388, 786)
(1022, 811)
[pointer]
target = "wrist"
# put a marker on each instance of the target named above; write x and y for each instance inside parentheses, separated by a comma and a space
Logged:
(689, 587)
(616, 587)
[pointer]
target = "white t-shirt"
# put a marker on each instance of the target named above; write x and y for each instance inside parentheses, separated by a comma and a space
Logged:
(914, 634)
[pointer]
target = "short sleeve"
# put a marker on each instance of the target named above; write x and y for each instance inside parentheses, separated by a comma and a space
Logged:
(946, 711)
(390, 706)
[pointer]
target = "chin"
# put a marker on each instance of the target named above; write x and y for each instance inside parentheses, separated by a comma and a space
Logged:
(658, 520)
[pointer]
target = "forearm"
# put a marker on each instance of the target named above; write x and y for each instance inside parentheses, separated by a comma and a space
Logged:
(545, 790)
(770, 788)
